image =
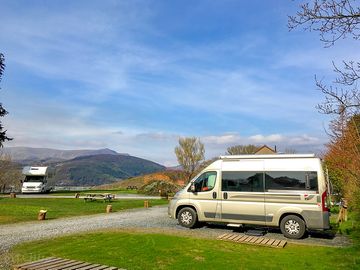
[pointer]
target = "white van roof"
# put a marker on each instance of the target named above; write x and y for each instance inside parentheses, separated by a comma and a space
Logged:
(276, 156)
(28, 170)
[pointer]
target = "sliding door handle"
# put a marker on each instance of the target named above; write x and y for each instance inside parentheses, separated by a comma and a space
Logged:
(214, 195)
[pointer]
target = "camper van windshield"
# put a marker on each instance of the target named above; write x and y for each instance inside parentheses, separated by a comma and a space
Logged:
(34, 178)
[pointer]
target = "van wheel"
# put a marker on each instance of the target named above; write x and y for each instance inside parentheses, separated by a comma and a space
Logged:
(292, 227)
(187, 217)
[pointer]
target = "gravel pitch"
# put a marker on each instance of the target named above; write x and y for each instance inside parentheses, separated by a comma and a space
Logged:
(153, 219)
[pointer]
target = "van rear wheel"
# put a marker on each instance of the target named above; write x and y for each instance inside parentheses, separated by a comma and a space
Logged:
(187, 217)
(292, 227)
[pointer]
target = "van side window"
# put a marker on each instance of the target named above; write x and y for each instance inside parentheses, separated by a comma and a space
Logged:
(205, 182)
(242, 181)
(291, 180)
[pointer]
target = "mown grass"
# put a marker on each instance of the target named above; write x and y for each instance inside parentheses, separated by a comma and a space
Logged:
(82, 192)
(19, 209)
(160, 251)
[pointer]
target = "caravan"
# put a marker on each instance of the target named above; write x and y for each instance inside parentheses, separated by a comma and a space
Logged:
(36, 179)
(286, 191)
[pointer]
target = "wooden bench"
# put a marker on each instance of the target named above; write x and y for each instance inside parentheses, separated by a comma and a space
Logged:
(53, 263)
(105, 197)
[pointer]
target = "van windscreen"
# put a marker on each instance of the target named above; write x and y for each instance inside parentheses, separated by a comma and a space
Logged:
(34, 178)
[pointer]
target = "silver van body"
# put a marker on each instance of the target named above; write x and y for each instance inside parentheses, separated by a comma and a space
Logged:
(286, 191)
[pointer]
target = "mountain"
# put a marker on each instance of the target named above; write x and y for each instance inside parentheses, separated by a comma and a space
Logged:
(101, 169)
(170, 176)
(29, 155)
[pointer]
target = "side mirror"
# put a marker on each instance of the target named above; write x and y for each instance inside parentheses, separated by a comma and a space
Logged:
(192, 187)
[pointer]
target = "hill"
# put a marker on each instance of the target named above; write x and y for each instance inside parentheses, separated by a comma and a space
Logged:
(101, 169)
(30, 155)
(169, 176)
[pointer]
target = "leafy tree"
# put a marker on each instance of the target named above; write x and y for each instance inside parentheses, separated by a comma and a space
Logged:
(241, 149)
(190, 153)
(3, 112)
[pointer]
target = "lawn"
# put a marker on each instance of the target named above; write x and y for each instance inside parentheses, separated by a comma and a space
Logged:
(82, 192)
(132, 250)
(19, 209)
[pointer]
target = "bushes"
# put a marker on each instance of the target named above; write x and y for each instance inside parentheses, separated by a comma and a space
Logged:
(155, 186)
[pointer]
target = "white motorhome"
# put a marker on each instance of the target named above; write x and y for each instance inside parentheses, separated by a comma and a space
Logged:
(36, 179)
(286, 191)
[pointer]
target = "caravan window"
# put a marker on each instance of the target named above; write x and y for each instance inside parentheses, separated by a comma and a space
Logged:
(242, 181)
(291, 180)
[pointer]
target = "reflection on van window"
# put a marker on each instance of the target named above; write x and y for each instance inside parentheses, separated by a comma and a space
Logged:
(205, 182)
(291, 181)
(34, 178)
(242, 181)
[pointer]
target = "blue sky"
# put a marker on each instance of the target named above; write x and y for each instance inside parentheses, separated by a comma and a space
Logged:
(134, 76)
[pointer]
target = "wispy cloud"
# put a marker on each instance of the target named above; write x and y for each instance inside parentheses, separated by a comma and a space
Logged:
(136, 75)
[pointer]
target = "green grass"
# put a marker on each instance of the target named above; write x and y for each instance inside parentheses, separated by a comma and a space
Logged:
(82, 192)
(160, 251)
(19, 209)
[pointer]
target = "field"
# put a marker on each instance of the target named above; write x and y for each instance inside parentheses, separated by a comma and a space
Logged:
(82, 192)
(139, 250)
(18, 210)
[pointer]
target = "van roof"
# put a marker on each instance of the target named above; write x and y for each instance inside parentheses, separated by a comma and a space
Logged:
(276, 156)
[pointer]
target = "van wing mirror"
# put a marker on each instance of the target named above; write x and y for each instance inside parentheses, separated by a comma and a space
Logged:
(192, 187)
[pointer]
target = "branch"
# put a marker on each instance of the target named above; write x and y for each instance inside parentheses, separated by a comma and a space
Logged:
(334, 19)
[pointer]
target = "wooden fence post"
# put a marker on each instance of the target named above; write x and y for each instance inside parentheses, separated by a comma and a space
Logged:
(42, 215)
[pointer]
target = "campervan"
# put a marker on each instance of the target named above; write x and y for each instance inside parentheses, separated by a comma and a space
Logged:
(36, 179)
(286, 191)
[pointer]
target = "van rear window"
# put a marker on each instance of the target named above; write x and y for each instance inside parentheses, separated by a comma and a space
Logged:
(282, 180)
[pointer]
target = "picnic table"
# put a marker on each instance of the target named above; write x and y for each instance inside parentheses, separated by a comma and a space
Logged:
(105, 197)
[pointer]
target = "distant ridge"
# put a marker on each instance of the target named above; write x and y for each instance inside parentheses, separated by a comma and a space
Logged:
(84, 167)
(46, 155)
(102, 169)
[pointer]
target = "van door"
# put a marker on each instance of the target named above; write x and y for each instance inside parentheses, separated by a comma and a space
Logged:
(206, 196)
(242, 192)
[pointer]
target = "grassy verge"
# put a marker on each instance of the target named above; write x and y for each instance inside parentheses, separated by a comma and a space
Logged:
(17, 210)
(112, 191)
(160, 251)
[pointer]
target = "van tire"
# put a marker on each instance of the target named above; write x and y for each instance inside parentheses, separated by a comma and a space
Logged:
(293, 227)
(187, 217)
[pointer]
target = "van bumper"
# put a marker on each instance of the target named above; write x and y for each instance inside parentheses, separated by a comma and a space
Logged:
(317, 220)
(172, 208)
(31, 190)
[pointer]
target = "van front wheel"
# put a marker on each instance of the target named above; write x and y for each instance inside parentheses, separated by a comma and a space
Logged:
(187, 217)
(292, 227)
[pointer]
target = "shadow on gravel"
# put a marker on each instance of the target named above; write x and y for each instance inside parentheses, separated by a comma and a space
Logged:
(328, 234)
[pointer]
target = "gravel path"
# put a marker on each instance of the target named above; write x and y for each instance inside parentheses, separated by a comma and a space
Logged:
(153, 219)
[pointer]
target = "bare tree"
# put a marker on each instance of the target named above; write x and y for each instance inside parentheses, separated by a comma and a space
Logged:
(334, 20)
(242, 149)
(3, 112)
(290, 151)
(190, 153)
(10, 173)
